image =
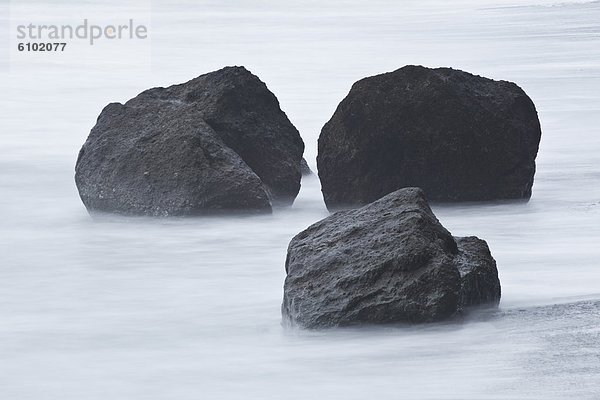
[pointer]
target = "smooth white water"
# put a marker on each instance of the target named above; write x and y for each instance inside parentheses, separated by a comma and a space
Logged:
(117, 308)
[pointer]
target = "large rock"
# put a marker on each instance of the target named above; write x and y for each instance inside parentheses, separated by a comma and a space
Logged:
(390, 261)
(219, 142)
(458, 136)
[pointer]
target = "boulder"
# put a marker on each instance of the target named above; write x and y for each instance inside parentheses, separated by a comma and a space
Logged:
(217, 143)
(390, 261)
(458, 136)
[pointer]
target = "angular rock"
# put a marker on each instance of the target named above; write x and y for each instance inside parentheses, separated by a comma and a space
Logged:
(458, 136)
(217, 143)
(390, 261)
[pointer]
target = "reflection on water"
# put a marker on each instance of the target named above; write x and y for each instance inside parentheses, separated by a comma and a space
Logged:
(189, 308)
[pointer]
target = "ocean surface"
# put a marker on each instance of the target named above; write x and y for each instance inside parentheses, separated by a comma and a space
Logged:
(137, 308)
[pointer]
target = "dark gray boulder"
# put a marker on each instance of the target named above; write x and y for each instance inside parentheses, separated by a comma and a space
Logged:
(217, 143)
(390, 261)
(458, 136)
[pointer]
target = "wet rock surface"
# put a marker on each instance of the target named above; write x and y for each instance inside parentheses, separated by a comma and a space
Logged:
(390, 261)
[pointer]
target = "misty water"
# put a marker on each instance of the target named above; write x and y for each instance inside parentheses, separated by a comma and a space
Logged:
(136, 308)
